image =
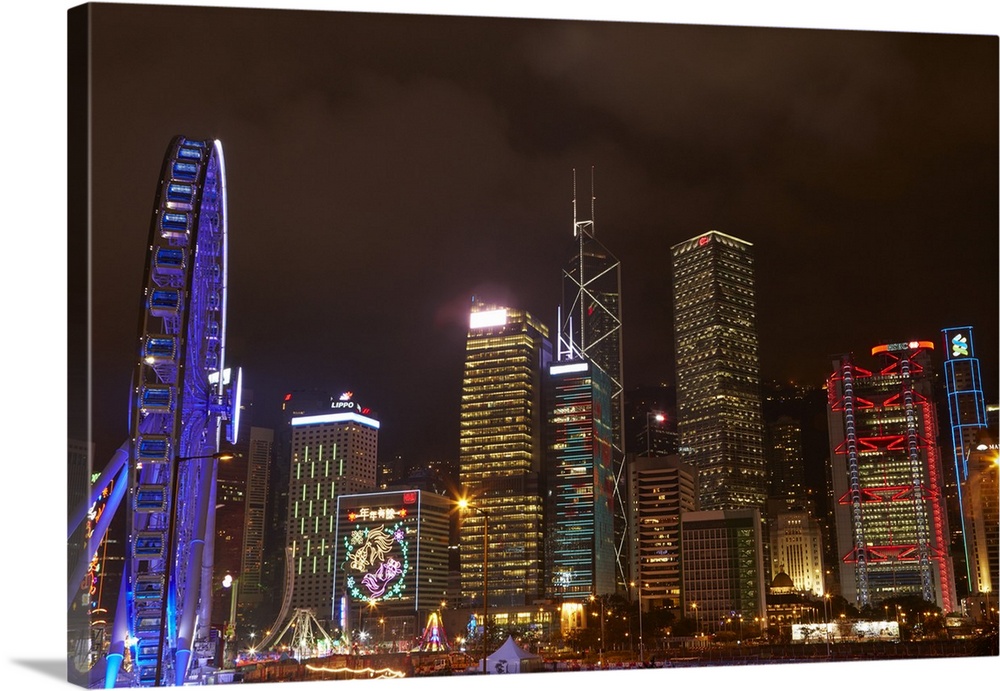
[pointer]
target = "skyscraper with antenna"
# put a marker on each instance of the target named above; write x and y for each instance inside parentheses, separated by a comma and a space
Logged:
(590, 327)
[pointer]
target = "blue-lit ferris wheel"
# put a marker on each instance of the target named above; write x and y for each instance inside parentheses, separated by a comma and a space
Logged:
(182, 406)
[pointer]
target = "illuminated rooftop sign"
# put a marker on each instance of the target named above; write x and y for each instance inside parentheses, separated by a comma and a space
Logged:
(334, 417)
(481, 320)
(896, 347)
(959, 344)
(565, 369)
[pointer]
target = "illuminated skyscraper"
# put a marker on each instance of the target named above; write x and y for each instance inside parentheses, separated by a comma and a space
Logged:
(967, 418)
(332, 454)
(500, 453)
(719, 422)
(579, 487)
(980, 496)
(259, 459)
(892, 524)
(591, 328)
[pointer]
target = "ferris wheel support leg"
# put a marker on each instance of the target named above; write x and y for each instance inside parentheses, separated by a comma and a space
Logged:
(119, 631)
(204, 622)
(192, 606)
(114, 465)
(80, 570)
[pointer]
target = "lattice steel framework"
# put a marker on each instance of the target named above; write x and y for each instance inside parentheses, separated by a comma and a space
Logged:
(591, 328)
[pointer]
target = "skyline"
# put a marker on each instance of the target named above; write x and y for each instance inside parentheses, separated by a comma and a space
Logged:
(372, 199)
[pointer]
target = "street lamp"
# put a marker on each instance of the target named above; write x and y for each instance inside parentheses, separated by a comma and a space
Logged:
(826, 616)
(601, 649)
(229, 639)
(169, 553)
(697, 620)
(466, 506)
(642, 657)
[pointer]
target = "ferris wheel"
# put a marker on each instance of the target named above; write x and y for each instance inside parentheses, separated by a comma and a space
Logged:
(183, 404)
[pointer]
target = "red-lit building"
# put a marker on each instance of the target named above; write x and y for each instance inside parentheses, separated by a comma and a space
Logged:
(891, 518)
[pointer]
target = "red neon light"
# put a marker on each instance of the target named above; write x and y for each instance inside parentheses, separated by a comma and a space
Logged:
(703, 240)
(892, 442)
(881, 494)
(288, 396)
(936, 509)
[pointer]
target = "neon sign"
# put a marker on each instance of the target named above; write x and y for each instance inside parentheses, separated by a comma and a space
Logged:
(377, 560)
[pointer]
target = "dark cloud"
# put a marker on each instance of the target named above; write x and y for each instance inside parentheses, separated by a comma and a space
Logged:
(385, 168)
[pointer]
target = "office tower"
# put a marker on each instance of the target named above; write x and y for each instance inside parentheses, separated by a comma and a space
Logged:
(579, 482)
(230, 526)
(785, 465)
(500, 453)
(294, 404)
(590, 327)
(723, 568)
(260, 451)
(333, 454)
(230, 521)
(718, 382)
(980, 495)
(796, 548)
(391, 557)
(892, 525)
(660, 491)
(967, 418)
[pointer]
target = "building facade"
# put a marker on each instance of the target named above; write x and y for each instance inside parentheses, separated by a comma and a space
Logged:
(887, 476)
(391, 556)
(331, 455)
(723, 568)
(785, 464)
(260, 453)
(500, 454)
(719, 425)
(579, 482)
(796, 549)
(660, 491)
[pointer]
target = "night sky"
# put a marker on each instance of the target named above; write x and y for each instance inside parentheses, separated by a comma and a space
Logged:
(383, 169)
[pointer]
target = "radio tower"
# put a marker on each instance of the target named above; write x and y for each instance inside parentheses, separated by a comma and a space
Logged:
(591, 327)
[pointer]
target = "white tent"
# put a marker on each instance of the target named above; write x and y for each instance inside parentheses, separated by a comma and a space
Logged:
(511, 659)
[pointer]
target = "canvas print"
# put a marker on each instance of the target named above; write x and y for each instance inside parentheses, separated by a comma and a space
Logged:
(408, 345)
